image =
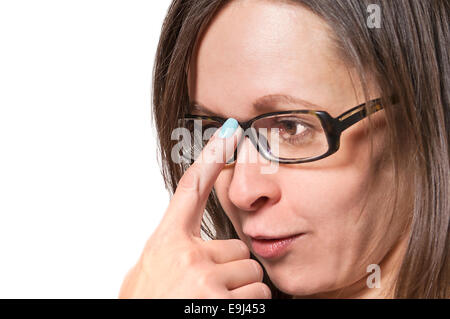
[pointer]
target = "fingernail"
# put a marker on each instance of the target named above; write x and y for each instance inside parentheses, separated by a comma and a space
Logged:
(228, 128)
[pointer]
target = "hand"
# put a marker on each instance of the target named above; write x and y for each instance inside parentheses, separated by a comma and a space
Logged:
(176, 262)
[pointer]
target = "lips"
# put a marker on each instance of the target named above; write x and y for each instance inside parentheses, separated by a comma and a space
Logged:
(272, 247)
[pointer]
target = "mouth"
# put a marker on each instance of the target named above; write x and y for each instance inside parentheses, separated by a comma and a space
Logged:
(272, 247)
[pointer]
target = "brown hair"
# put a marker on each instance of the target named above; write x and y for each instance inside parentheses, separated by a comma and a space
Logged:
(408, 58)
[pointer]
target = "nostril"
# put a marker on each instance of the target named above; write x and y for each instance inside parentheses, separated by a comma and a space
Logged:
(259, 202)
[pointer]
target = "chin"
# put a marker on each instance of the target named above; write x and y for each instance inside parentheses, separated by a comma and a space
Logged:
(302, 288)
(302, 282)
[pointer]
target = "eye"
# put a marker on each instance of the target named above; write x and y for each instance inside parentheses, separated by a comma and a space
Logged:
(291, 126)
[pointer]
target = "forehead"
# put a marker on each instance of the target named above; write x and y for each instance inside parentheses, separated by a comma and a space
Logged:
(257, 48)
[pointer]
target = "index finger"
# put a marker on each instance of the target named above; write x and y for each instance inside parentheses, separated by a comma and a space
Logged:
(187, 205)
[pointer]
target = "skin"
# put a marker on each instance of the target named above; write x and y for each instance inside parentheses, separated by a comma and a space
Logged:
(177, 263)
(253, 49)
(257, 48)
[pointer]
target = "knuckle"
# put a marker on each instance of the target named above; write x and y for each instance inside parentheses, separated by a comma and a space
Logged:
(189, 179)
(243, 246)
(210, 152)
(258, 269)
(206, 279)
(189, 257)
(267, 293)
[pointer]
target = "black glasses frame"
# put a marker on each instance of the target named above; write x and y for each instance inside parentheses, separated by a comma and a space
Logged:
(332, 126)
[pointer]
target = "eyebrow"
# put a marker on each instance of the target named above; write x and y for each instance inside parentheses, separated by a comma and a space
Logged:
(267, 103)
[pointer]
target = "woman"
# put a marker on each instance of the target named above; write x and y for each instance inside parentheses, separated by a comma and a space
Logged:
(364, 195)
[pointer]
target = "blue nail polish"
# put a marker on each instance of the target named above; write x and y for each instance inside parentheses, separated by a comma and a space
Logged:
(228, 128)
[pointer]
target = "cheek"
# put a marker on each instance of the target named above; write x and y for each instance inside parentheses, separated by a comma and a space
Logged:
(329, 202)
(329, 193)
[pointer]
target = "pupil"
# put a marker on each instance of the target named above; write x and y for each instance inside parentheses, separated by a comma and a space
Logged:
(290, 128)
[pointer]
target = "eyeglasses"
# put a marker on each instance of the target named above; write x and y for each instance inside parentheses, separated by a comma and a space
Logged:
(289, 137)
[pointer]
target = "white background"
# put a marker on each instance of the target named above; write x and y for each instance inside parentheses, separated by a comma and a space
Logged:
(80, 186)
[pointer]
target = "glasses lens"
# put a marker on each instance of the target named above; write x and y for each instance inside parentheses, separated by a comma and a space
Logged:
(195, 135)
(291, 136)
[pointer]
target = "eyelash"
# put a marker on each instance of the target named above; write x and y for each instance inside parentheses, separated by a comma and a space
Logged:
(298, 139)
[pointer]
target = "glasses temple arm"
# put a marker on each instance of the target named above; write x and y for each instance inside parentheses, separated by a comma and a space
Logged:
(356, 114)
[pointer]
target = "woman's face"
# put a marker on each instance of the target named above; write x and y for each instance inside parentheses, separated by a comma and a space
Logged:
(254, 49)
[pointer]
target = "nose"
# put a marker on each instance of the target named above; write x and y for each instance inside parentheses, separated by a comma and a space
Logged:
(250, 189)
